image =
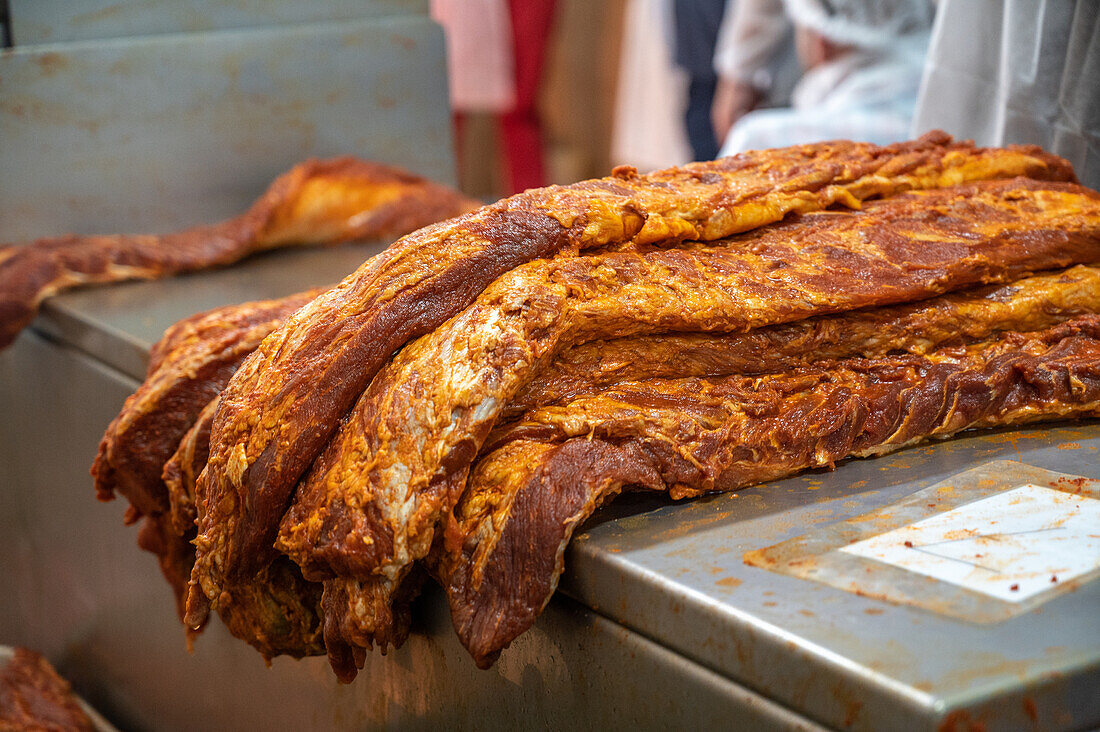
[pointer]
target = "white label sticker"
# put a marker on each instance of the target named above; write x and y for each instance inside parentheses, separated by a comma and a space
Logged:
(1011, 546)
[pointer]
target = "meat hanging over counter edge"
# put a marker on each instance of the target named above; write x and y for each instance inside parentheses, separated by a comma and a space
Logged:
(372, 502)
(1030, 303)
(461, 403)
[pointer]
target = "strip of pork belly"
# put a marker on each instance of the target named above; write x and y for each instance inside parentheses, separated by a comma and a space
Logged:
(371, 502)
(188, 368)
(316, 202)
(283, 405)
(690, 436)
(1028, 304)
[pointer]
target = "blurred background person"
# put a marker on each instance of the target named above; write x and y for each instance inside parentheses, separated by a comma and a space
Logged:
(1031, 75)
(754, 61)
(861, 64)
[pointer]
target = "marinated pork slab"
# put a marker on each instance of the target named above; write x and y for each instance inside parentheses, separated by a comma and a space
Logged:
(316, 202)
(1029, 304)
(466, 399)
(283, 405)
(502, 559)
(371, 503)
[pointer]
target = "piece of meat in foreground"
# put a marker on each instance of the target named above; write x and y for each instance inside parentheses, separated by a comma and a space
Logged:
(690, 436)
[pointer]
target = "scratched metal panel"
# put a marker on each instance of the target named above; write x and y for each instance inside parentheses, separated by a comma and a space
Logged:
(675, 573)
(156, 133)
(77, 588)
(55, 21)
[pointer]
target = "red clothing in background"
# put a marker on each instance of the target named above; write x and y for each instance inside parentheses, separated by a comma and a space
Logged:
(520, 128)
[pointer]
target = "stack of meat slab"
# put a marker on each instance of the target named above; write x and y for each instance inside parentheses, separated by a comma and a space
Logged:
(460, 404)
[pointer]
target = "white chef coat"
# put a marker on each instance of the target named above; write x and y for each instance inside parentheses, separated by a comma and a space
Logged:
(867, 94)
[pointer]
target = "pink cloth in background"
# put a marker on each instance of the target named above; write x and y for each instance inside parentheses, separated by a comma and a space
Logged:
(496, 52)
(479, 54)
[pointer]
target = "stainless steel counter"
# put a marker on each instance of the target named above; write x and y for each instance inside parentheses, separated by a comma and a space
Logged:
(659, 619)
